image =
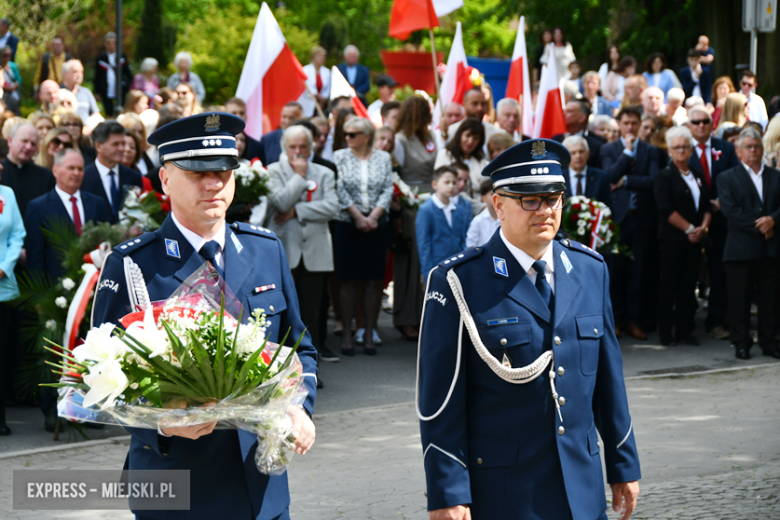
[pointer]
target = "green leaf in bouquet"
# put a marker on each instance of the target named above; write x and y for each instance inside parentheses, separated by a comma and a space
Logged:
(233, 355)
(238, 387)
(179, 350)
(259, 378)
(150, 386)
(187, 363)
(219, 358)
(161, 365)
(202, 360)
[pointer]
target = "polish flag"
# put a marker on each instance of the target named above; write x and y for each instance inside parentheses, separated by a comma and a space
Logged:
(549, 120)
(445, 7)
(272, 76)
(408, 16)
(519, 85)
(340, 87)
(455, 79)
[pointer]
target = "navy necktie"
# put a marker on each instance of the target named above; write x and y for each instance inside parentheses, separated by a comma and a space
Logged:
(541, 281)
(115, 203)
(209, 251)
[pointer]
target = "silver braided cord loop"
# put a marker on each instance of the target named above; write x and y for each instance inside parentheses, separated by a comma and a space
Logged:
(136, 286)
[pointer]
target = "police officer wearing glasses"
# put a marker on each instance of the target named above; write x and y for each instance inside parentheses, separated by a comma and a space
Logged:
(519, 370)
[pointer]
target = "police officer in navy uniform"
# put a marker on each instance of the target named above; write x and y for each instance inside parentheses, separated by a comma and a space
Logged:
(519, 370)
(199, 155)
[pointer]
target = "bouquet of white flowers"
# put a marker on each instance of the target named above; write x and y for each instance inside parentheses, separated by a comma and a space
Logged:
(407, 196)
(590, 222)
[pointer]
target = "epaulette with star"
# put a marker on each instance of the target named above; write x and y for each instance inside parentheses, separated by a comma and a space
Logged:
(255, 230)
(573, 245)
(134, 244)
(465, 256)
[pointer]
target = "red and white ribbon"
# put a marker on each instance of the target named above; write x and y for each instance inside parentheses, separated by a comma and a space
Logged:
(595, 239)
(311, 188)
(78, 307)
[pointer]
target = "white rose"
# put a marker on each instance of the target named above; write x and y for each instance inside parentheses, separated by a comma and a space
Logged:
(585, 215)
(105, 380)
(581, 231)
(51, 324)
(100, 345)
(68, 284)
(61, 302)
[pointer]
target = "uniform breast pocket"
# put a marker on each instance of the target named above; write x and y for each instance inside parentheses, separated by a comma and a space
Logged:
(273, 304)
(512, 339)
(590, 329)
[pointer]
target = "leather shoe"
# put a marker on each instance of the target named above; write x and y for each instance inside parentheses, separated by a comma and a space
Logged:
(4, 429)
(775, 353)
(50, 423)
(719, 332)
(636, 333)
(668, 343)
(618, 332)
(690, 341)
(742, 353)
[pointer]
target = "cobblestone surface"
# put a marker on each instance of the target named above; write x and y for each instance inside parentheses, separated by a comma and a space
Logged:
(709, 446)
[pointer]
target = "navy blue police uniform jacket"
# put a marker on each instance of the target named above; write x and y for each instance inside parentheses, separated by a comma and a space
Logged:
(501, 447)
(224, 481)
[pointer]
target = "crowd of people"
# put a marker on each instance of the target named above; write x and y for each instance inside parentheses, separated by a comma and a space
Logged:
(686, 163)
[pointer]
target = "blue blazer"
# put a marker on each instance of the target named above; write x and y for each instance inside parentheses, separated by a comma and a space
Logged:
(362, 82)
(596, 186)
(436, 240)
(640, 174)
(667, 83)
(224, 481)
(705, 83)
(93, 184)
(604, 108)
(270, 147)
(501, 447)
(44, 213)
(12, 235)
(727, 160)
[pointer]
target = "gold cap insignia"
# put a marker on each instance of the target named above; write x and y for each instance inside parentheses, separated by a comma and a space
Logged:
(538, 150)
(212, 123)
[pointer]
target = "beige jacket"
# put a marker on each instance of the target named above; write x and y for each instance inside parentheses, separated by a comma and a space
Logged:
(307, 235)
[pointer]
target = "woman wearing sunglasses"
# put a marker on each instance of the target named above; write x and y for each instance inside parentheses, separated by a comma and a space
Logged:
(55, 141)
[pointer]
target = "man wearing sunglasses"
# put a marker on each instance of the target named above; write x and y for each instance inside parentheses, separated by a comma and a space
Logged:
(519, 368)
(713, 156)
(756, 106)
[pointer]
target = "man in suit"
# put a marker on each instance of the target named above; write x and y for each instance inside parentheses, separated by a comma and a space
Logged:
(271, 143)
(7, 39)
(224, 481)
(50, 63)
(749, 197)
(106, 177)
(66, 207)
(576, 114)
(696, 80)
(357, 75)
(20, 173)
(508, 119)
(237, 107)
(632, 165)
(475, 105)
(105, 76)
(712, 157)
(511, 408)
(584, 179)
(591, 84)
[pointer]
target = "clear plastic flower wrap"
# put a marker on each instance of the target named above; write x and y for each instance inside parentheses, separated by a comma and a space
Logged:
(188, 361)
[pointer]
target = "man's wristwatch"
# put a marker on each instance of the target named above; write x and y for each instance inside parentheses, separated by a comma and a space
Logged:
(691, 229)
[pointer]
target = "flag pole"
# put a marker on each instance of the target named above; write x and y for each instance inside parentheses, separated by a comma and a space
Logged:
(317, 106)
(435, 69)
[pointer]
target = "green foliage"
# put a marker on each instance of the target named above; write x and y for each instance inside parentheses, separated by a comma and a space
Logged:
(151, 43)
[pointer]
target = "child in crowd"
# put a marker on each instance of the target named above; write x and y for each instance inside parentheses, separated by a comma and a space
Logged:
(486, 223)
(441, 224)
(499, 142)
(575, 69)
(464, 196)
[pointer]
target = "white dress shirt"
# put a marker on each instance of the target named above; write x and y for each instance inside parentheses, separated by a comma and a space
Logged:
(111, 76)
(69, 205)
(105, 177)
(197, 241)
(526, 262)
(690, 180)
(707, 150)
(757, 178)
(481, 229)
(448, 209)
(757, 110)
(573, 180)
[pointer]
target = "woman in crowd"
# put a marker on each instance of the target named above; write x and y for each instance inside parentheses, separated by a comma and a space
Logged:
(499, 142)
(647, 128)
(659, 137)
(657, 75)
(136, 102)
(188, 99)
(301, 202)
(612, 63)
(13, 79)
(42, 122)
(12, 235)
(341, 117)
(385, 141)
(132, 149)
(612, 89)
(467, 147)
(735, 111)
(490, 114)
(241, 148)
(415, 151)
(559, 53)
(544, 40)
(722, 87)
(318, 81)
(143, 163)
(166, 96)
(365, 189)
(602, 127)
(55, 141)
(75, 126)
(683, 219)
(772, 142)
(147, 81)
(322, 125)
(183, 63)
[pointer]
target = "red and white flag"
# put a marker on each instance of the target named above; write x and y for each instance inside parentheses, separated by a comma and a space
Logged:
(453, 84)
(519, 85)
(549, 119)
(408, 16)
(445, 7)
(340, 87)
(272, 76)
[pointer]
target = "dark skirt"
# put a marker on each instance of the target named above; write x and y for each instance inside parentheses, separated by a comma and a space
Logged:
(359, 255)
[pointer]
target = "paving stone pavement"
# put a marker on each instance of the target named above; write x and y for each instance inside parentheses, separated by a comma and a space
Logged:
(709, 446)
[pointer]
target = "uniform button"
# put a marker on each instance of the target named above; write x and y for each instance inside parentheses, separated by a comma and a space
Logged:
(147, 447)
(272, 308)
(561, 371)
(557, 340)
(561, 430)
(503, 341)
(561, 400)
(595, 331)
(479, 460)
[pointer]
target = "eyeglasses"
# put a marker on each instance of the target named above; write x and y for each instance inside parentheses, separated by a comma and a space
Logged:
(683, 148)
(57, 142)
(700, 122)
(746, 84)
(534, 202)
(352, 135)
